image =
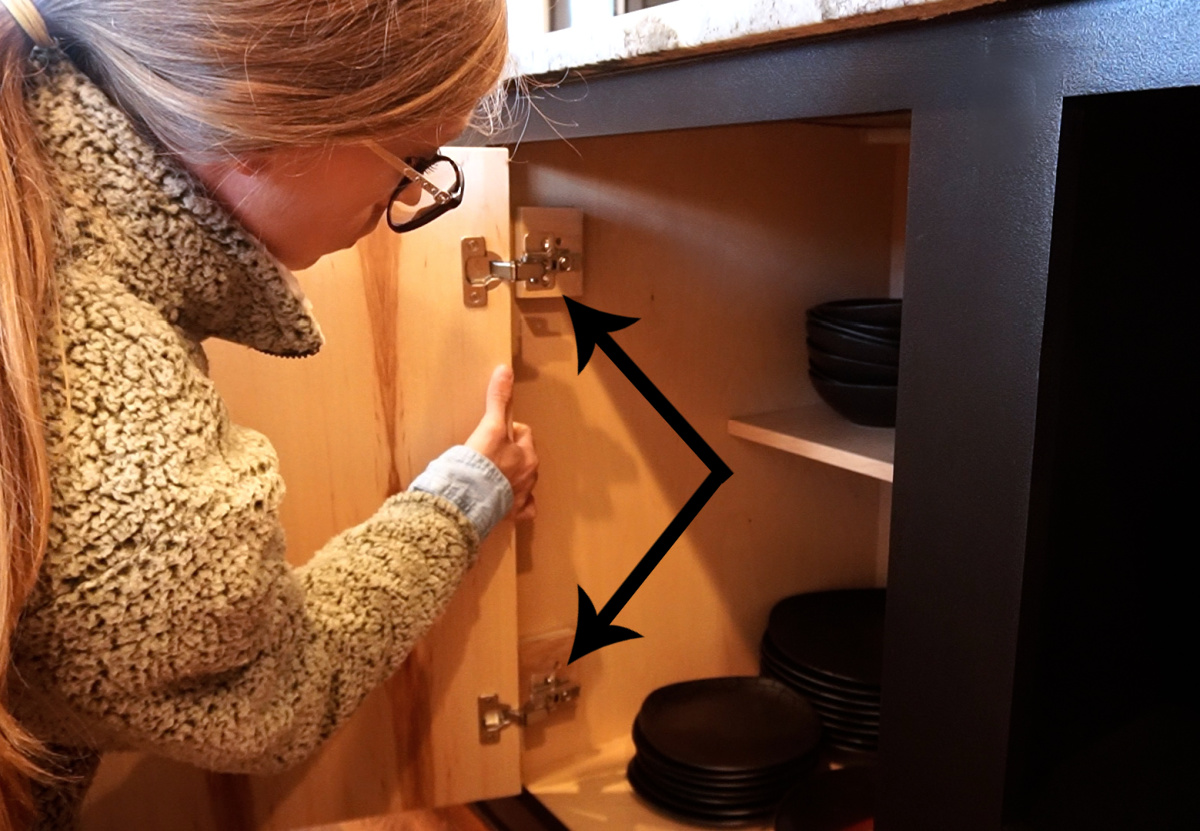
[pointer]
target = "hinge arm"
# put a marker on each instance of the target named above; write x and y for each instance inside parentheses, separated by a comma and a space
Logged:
(546, 694)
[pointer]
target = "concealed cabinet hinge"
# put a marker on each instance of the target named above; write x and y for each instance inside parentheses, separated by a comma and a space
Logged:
(537, 269)
(547, 693)
(549, 262)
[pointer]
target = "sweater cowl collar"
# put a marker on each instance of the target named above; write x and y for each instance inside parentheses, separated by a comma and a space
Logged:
(132, 210)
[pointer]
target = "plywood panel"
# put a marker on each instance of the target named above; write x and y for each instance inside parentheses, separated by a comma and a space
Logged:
(817, 432)
(718, 239)
(401, 378)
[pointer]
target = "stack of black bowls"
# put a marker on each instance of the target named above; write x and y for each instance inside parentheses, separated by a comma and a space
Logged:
(854, 358)
(828, 646)
(722, 751)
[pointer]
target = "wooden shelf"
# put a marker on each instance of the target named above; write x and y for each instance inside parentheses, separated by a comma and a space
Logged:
(817, 432)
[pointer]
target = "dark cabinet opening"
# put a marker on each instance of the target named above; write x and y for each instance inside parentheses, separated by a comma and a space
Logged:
(1105, 723)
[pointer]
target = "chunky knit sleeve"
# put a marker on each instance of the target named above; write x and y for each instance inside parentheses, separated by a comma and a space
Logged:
(167, 618)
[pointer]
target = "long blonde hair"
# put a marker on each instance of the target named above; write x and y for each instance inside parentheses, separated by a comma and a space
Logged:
(204, 79)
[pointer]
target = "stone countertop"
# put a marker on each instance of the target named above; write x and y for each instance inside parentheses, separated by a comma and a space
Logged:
(688, 27)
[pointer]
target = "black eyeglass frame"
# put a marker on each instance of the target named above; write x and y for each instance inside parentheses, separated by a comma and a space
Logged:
(444, 201)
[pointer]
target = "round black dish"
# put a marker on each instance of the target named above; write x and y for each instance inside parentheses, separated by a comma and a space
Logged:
(878, 311)
(707, 799)
(870, 405)
(856, 693)
(839, 340)
(737, 724)
(891, 333)
(823, 698)
(690, 812)
(840, 368)
(728, 780)
(838, 633)
(748, 791)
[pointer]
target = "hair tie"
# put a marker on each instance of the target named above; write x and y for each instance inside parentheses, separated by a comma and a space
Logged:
(31, 21)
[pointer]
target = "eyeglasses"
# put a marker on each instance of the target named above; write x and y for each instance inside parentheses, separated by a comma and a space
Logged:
(431, 186)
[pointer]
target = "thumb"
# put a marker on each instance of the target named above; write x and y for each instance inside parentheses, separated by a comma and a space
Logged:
(499, 397)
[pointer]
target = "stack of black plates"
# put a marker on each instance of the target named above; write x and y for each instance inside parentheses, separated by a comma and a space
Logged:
(828, 646)
(722, 751)
(854, 358)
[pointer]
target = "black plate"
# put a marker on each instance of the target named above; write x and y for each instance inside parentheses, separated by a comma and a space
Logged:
(813, 677)
(871, 405)
(734, 724)
(838, 719)
(838, 739)
(669, 769)
(741, 781)
(727, 797)
(841, 368)
(849, 344)
(858, 732)
(690, 811)
(824, 703)
(830, 800)
(854, 699)
(708, 797)
(836, 633)
(824, 709)
(867, 721)
(821, 697)
(727, 778)
(877, 311)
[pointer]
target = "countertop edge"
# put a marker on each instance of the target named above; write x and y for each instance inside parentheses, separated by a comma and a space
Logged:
(645, 41)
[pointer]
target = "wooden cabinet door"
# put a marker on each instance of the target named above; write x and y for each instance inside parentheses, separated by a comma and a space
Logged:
(401, 378)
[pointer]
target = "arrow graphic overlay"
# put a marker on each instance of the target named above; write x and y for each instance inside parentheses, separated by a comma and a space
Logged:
(595, 630)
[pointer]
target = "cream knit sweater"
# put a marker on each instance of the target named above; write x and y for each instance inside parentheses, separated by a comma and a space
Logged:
(166, 618)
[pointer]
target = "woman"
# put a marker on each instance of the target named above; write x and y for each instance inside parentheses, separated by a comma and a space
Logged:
(162, 166)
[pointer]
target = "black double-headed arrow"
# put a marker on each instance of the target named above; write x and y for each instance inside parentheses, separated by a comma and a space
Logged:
(595, 630)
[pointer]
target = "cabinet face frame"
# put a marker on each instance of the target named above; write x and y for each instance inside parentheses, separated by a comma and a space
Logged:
(986, 93)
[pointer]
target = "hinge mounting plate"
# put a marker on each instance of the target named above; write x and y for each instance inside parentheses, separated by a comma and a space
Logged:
(550, 262)
(546, 694)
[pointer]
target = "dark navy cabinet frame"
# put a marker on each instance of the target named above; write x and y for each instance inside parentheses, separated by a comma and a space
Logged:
(986, 96)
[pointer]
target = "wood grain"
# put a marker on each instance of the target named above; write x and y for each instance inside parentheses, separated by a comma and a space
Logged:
(720, 277)
(455, 818)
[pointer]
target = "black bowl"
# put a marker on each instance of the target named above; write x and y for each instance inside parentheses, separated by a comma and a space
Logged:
(875, 311)
(837, 340)
(871, 405)
(848, 370)
(889, 333)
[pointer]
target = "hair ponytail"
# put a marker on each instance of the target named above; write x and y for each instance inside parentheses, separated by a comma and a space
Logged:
(26, 257)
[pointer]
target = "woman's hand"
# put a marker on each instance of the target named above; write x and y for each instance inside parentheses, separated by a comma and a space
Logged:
(509, 445)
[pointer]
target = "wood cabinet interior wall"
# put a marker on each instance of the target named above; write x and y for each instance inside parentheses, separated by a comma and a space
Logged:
(718, 239)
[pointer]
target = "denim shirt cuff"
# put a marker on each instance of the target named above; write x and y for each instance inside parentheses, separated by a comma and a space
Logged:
(470, 481)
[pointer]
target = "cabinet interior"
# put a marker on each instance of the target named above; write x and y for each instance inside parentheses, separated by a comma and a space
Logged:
(718, 239)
